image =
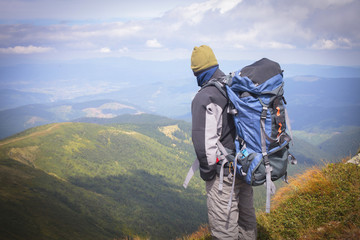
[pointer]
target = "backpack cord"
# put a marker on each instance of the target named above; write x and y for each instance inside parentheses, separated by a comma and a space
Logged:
(287, 120)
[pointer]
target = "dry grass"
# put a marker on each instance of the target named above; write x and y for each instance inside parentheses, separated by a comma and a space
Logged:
(203, 233)
(319, 204)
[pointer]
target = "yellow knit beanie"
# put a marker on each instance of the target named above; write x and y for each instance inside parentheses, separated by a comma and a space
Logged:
(202, 58)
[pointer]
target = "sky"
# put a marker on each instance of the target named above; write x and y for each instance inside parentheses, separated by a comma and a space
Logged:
(325, 32)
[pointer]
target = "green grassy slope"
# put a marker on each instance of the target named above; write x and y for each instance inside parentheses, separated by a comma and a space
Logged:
(142, 177)
(35, 205)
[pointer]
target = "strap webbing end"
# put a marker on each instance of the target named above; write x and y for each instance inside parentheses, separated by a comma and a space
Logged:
(195, 166)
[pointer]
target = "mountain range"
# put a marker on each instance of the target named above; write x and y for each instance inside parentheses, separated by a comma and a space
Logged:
(118, 177)
(313, 103)
(163, 88)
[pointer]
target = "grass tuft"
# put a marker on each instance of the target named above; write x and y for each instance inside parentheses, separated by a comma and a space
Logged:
(203, 233)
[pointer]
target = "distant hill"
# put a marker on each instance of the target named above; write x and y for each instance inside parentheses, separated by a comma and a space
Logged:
(130, 118)
(18, 119)
(323, 103)
(307, 153)
(330, 145)
(344, 143)
(10, 98)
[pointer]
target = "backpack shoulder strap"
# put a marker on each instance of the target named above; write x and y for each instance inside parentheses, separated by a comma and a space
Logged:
(218, 84)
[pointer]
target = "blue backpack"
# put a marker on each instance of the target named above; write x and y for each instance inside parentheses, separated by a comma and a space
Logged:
(257, 103)
(258, 106)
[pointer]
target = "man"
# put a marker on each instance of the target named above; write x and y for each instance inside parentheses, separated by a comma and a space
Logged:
(211, 123)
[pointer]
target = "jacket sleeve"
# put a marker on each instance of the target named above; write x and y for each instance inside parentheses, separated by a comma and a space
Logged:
(206, 131)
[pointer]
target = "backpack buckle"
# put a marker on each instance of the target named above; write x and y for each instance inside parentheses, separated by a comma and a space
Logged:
(264, 112)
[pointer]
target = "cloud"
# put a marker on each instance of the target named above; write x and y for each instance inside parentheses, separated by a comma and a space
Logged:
(193, 14)
(157, 93)
(153, 43)
(123, 50)
(235, 29)
(278, 45)
(105, 50)
(327, 44)
(225, 6)
(25, 50)
(84, 9)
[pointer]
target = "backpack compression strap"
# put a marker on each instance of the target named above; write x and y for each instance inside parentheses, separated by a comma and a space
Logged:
(270, 186)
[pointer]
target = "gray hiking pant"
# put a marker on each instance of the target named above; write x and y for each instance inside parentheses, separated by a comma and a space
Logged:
(241, 222)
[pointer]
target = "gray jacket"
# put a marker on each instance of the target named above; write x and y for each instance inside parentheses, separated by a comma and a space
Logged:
(210, 123)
